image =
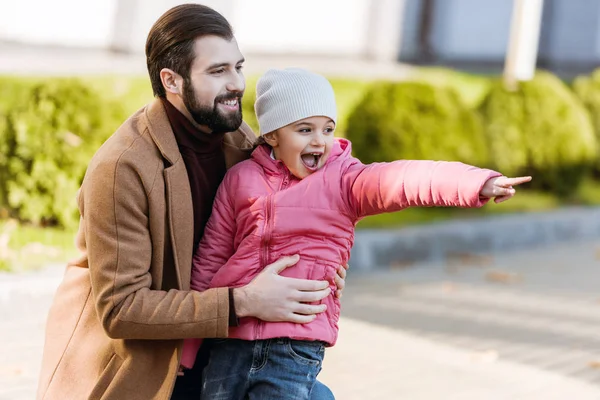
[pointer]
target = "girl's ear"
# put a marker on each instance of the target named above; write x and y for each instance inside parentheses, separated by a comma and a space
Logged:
(271, 139)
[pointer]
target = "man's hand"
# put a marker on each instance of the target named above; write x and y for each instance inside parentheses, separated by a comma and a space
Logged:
(271, 297)
(502, 187)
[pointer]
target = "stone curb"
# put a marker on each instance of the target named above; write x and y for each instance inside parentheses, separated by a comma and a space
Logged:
(458, 239)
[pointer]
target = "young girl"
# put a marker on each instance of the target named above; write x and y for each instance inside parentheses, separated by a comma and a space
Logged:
(302, 193)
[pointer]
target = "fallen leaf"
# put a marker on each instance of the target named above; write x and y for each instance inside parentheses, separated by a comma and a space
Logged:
(487, 356)
(11, 371)
(466, 259)
(401, 264)
(449, 287)
(452, 269)
(594, 364)
(503, 277)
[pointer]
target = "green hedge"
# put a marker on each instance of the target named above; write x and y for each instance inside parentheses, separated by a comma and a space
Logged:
(540, 129)
(587, 88)
(416, 120)
(50, 127)
(48, 134)
(472, 89)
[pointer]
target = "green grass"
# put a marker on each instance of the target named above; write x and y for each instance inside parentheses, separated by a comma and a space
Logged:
(31, 247)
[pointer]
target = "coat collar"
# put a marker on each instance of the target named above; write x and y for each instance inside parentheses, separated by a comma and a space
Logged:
(161, 132)
(237, 145)
(262, 155)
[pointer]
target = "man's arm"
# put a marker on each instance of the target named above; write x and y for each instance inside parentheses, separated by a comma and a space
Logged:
(114, 204)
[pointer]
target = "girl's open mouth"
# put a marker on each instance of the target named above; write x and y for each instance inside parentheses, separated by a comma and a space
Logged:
(311, 160)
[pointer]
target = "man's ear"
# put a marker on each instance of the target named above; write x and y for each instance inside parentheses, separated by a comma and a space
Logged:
(271, 139)
(171, 81)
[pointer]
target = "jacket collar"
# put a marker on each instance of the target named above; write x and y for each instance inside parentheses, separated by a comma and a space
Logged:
(342, 149)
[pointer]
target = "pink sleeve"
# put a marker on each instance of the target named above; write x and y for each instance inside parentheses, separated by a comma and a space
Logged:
(386, 187)
(189, 352)
(216, 247)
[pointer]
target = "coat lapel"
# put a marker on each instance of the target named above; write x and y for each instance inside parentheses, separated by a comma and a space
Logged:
(180, 212)
(237, 147)
(181, 220)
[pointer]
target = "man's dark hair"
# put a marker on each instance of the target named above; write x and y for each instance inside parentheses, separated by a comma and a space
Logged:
(170, 43)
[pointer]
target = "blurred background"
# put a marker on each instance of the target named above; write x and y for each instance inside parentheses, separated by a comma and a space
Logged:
(503, 299)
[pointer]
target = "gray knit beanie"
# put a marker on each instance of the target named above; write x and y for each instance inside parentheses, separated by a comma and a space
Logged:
(284, 96)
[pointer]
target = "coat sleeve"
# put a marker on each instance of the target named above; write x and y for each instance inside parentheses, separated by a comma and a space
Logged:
(114, 204)
(386, 187)
(217, 244)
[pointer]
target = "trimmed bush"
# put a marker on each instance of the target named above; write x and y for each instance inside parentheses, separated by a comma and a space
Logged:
(541, 129)
(415, 120)
(587, 89)
(248, 105)
(47, 137)
(129, 93)
(472, 89)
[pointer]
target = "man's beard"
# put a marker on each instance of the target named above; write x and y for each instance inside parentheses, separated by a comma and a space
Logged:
(211, 117)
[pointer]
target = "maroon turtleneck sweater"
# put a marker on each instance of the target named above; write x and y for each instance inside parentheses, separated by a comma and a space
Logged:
(204, 161)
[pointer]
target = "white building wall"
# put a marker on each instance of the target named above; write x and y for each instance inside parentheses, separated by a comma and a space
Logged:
(304, 26)
(57, 22)
(369, 28)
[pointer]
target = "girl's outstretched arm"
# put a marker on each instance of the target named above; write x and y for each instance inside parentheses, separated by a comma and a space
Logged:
(386, 187)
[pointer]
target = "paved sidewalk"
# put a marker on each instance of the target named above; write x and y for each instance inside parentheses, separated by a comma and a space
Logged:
(373, 362)
(519, 326)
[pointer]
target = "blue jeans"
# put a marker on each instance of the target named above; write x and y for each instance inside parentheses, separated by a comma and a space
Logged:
(264, 369)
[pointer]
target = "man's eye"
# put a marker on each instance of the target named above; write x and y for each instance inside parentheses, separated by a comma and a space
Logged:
(218, 71)
(239, 67)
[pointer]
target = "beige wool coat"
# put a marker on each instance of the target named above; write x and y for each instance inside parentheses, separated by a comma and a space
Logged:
(114, 328)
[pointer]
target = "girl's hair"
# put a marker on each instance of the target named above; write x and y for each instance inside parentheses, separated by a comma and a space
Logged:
(260, 141)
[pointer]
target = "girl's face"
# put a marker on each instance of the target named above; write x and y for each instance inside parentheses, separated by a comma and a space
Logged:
(303, 146)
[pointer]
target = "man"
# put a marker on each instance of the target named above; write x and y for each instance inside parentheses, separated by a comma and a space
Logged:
(115, 327)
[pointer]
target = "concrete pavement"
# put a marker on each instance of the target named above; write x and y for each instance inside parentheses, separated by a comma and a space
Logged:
(521, 325)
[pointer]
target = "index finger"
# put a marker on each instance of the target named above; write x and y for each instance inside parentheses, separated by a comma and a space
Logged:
(307, 285)
(515, 181)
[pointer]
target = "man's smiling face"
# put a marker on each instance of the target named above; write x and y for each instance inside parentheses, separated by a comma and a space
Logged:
(213, 92)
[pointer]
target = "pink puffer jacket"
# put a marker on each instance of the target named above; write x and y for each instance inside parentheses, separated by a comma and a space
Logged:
(262, 212)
